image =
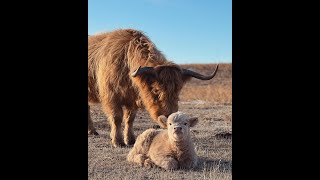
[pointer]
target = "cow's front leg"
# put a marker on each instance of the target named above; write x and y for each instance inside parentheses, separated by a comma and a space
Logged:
(115, 115)
(128, 116)
(116, 132)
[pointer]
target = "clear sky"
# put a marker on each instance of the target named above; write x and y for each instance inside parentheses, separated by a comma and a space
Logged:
(186, 31)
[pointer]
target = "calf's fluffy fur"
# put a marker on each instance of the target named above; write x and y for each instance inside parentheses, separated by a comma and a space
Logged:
(171, 148)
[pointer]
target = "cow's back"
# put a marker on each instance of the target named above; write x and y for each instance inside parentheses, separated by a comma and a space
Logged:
(108, 68)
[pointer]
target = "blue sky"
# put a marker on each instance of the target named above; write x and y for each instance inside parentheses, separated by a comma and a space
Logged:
(186, 31)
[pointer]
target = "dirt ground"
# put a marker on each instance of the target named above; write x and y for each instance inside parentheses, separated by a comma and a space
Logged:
(211, 136)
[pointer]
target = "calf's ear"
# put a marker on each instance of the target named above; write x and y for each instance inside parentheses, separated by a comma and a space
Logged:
(162, 121)
(193, 121)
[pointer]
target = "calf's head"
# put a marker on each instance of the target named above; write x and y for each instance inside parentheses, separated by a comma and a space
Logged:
(159, 87)
(178, 125)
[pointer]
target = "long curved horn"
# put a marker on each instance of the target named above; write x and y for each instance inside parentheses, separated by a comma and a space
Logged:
(141, 70)
(199, 76)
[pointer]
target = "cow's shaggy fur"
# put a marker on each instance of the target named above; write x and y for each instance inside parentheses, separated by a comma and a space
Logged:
(168, 149)
(112, 57)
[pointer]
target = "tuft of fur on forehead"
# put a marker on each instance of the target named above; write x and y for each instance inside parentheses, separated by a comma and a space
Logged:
(178, 116)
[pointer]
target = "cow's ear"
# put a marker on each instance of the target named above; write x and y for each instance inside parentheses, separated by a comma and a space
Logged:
(193, 121)
(143, 70)
(144, 75)
(162, 121)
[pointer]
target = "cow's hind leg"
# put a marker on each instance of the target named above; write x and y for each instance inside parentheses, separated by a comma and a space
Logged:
(91, 129)
(115, 115)
(128, 116)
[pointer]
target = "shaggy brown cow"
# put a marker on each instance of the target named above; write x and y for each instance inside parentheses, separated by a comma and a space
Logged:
(126, 72)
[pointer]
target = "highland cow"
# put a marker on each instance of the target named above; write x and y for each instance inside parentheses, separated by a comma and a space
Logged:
(168, 149)
(127, 72)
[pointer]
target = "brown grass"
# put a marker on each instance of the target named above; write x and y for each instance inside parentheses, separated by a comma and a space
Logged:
(209, 93)
(210, 101)
(218, 89)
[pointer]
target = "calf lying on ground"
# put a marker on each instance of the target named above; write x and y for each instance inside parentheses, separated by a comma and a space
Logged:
(168, 149)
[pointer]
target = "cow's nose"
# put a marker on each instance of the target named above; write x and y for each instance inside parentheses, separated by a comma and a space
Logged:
(177, 128)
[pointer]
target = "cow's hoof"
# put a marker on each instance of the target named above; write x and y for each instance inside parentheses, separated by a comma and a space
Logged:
(93, 133)
(118, 144)
(156, 126)
(130, 142)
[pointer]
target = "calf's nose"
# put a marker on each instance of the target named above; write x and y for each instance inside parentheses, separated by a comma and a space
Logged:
(177, 128)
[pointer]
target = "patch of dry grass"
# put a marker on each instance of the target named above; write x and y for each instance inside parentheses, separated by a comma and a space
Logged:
(210, 93)
(218, 89)
(210, 101)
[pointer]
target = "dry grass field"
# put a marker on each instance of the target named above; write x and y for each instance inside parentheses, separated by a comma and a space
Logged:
(210, 101)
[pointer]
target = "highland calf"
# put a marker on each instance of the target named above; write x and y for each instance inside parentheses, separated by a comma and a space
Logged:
(127, 72)
(168, 149)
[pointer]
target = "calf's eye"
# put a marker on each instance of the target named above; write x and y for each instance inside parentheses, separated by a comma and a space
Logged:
(185, 124)
(170, 124)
